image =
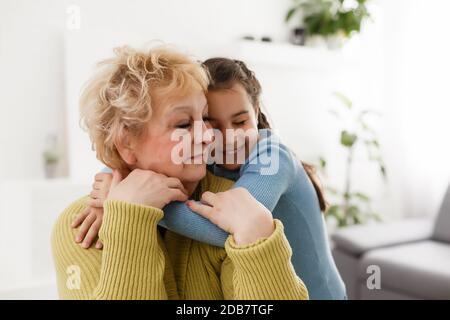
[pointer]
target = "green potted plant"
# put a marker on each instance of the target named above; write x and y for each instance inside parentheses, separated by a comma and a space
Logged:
(50, 157)
(331, 20)
(350, 206)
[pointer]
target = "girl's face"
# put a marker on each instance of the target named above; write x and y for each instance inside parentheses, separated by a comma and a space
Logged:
(230, 110)
(158, 151)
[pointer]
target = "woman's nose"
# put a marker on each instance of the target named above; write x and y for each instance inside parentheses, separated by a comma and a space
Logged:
(208, 134)
(203, 136)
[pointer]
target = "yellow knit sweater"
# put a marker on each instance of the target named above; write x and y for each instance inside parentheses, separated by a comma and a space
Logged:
(140, 262)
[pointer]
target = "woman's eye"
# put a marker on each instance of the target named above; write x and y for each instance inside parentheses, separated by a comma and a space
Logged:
(184, 125)
(240, 123)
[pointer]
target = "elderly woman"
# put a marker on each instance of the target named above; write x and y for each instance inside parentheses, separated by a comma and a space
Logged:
(131, 109)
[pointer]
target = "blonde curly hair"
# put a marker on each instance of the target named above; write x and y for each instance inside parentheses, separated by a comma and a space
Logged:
(118, 99)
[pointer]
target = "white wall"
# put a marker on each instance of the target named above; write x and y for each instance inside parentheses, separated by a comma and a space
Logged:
(32, 99)
(32, 95)
(417, 101)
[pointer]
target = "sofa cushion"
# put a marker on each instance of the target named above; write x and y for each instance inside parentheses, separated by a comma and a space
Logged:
(356, 240)
(385, 294)
(420, 269)
(442, 226)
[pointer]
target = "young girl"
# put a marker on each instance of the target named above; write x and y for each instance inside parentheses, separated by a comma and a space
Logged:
(290, 191)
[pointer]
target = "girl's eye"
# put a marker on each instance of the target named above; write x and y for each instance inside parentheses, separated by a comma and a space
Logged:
(240, 123)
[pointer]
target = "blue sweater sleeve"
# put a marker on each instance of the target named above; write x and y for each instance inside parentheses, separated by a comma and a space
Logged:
(182, 220)
(268, 172)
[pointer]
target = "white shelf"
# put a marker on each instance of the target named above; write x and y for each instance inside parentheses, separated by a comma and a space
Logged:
(287, 55)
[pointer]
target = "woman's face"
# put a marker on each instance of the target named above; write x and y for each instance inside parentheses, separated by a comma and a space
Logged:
(231, 110)
(157, 150)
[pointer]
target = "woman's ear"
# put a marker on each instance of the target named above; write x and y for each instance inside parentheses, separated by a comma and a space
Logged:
(126, 150)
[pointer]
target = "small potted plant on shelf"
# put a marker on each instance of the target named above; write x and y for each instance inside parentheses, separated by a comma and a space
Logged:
(50, 157)
(331, 21)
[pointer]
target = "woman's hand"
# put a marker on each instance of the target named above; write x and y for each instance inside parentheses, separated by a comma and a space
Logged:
(145, 187)
(237, 212)
(100, 189)
(163, 191)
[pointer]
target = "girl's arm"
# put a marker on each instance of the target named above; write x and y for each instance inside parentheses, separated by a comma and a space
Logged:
(177, 218)
(268, 172)
(182, 220)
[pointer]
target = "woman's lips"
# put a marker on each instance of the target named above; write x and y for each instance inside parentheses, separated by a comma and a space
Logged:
(199, 156)
(196, 159)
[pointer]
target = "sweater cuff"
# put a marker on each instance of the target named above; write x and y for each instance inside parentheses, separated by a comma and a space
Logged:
(131, 257)
(267, 250)
(124, 220)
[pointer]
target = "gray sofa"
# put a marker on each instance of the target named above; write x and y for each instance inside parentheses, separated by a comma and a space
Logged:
(413, 257)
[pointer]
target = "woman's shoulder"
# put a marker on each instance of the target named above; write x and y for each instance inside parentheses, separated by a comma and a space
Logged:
(71, 211)
(70, 259)
(62, 232)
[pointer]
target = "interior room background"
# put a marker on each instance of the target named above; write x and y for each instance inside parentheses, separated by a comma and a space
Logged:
(398, 66)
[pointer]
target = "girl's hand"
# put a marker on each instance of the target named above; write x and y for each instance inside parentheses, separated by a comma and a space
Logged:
(91, 218)
(91, 221)
(145, 187)
(237, 212)
(100, 189)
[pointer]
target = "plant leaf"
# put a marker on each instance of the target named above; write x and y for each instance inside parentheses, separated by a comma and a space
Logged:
(348, 139)
(372, 142)
(383, 170)
(344, 99)
(361, 196)
(322, 162)
(290, 13)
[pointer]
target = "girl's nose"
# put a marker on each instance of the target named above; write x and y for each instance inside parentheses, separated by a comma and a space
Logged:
(227, 134)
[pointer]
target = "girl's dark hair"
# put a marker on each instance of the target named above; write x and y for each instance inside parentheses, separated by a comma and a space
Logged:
(224, 73)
